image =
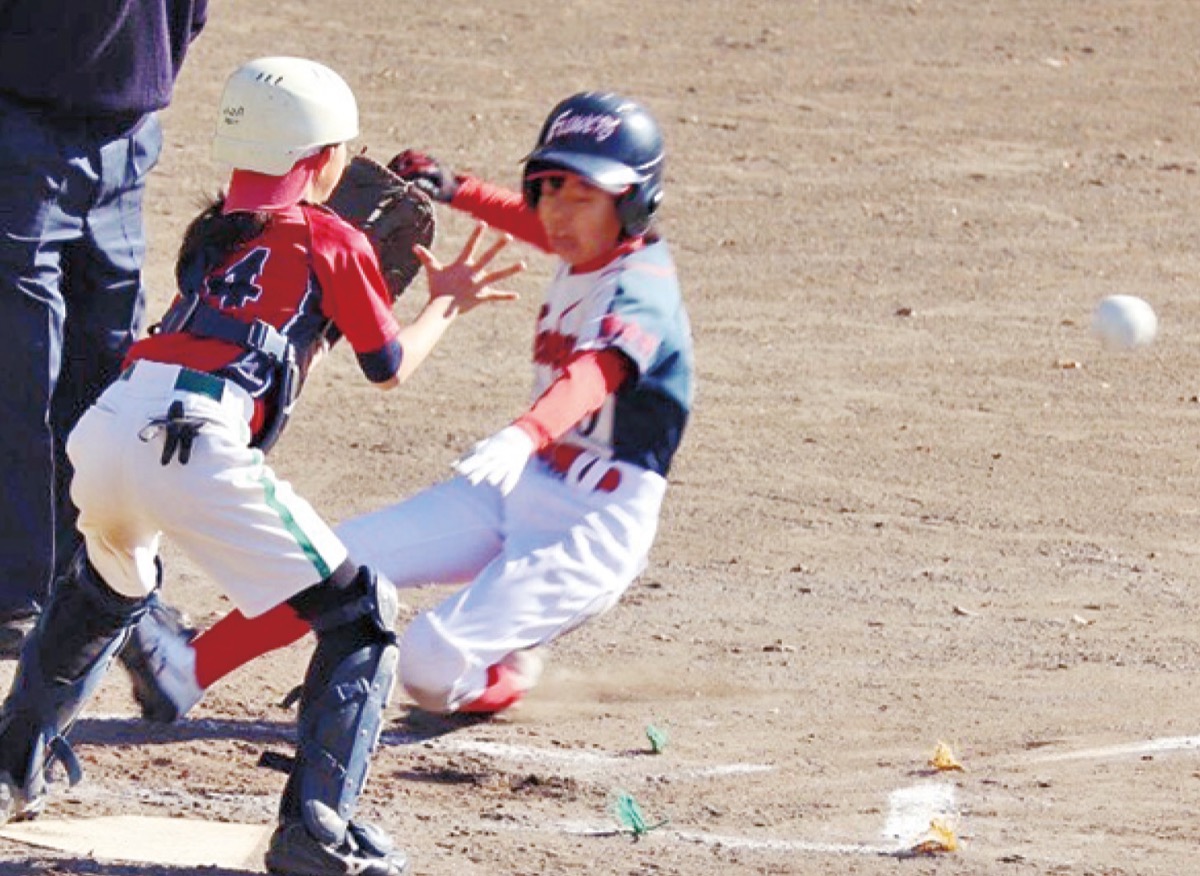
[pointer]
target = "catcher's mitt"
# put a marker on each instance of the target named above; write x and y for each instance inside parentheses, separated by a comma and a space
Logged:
(393, 213)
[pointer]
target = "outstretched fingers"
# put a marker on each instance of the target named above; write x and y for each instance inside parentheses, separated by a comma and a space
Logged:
(426, 258)
(501, 275)
(467, 253)
(492, 251)
(483, 281)
(467, 279)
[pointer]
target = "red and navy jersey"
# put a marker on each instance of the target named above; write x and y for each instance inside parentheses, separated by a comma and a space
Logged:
(307, 270)
(632, 304)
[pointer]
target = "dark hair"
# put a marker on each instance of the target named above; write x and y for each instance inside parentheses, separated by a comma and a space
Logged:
(212, 237)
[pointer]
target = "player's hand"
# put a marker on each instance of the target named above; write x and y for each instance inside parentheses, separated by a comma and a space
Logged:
(466, 279)
(498, 460)
(426, 173)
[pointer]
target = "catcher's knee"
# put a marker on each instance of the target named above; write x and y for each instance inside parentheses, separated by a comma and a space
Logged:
(84, 619)
(352, 607)
(431, 666)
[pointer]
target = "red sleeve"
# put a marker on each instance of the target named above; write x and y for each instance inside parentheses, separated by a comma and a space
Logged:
(503, 209)
(355, 295)
(581, 389)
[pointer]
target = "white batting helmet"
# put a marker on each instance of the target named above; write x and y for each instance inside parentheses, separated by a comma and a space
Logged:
(275, 111)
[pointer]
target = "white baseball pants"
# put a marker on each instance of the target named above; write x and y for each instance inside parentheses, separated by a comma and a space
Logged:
(243, 526)
(555, 552)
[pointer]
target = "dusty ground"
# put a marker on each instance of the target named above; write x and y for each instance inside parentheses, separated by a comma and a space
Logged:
(918, 501)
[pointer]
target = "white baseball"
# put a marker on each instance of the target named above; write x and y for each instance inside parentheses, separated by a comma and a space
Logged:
(1125, 321)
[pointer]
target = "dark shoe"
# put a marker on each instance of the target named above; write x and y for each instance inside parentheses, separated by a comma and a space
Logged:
(367, 851)
(14, 628)
(162, 665)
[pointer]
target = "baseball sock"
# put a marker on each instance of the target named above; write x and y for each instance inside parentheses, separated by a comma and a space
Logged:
(505, 686)
(235, 640)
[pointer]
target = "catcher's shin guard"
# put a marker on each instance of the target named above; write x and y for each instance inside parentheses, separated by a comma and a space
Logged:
(349, 682)
(76, 638)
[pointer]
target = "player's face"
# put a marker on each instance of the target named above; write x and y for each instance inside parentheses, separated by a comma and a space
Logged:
(580, 220)
(330, 173)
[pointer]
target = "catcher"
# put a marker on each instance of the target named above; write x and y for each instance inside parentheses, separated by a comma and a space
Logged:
(268, 279)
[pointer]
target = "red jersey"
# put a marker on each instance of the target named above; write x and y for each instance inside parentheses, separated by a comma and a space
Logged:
(307, 271)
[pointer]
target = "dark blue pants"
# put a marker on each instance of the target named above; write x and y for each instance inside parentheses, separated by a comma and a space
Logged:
(72, 243)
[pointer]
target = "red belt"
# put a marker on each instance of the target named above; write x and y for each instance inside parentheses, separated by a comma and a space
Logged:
(560, 458)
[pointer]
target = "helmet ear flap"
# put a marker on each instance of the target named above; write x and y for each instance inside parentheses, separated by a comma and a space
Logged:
(636, 207)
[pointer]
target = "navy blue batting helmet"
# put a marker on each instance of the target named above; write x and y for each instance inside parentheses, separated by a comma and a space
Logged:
(610, 141)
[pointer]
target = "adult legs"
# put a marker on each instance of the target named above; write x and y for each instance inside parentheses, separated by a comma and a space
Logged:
(105, 300)
(71, 250)
(42, 194)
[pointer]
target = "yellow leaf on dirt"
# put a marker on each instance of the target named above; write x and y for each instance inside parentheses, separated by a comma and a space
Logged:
(944, 759)
(939, 839)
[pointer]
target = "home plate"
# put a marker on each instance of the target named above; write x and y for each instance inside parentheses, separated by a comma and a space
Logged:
(147, 839)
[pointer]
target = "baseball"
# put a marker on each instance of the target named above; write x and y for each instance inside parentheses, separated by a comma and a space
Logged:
(1125, 322)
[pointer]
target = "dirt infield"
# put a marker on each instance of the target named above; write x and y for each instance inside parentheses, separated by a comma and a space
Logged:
(917, 503)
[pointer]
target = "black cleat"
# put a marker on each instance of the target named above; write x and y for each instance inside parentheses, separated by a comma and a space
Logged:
(366, 851)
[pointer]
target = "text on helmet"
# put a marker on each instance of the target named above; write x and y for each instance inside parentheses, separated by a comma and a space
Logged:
(598, 126)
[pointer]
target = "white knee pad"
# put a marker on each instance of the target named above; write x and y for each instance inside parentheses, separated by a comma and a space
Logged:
(434, 671)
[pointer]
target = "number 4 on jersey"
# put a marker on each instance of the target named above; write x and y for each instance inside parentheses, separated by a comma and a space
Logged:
(239, 283)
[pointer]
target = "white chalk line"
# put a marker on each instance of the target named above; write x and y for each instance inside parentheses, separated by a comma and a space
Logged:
(911, 809)
(592, 760)
(741, 843)
(907, 809)
(587, 763)
(716, 840)
(1128, 749)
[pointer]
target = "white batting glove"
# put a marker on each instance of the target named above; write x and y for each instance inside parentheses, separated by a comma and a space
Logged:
(498, 460)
